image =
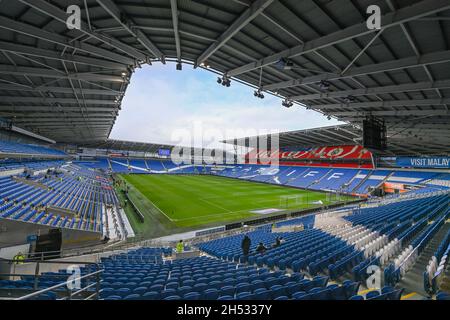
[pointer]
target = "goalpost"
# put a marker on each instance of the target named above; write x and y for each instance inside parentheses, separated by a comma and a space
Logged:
(334, 197)
(288, 201)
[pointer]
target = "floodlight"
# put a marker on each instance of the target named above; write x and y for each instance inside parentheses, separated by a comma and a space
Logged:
(324, 85)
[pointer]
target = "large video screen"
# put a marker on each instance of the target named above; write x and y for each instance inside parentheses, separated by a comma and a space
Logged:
(164, 152)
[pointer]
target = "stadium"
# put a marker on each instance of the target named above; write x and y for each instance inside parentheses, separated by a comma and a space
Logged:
(358, 210)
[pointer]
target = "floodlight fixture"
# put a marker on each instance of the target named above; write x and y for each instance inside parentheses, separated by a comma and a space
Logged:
(287, 103)
(324, 85)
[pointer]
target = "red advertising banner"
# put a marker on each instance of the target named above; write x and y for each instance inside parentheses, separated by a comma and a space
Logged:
(355, 152)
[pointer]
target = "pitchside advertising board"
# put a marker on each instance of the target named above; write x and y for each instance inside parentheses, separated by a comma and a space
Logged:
(432, 162)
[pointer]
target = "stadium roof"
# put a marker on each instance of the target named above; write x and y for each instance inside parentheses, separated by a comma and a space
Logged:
(112, 144)
(68, 84)
(400, 143)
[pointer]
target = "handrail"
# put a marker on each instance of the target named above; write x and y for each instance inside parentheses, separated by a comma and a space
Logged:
(37, 275)
(38, 293)
(49, 261)
(432, 229)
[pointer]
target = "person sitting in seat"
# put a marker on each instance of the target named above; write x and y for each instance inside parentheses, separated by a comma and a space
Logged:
(261, 248)
(278, 242)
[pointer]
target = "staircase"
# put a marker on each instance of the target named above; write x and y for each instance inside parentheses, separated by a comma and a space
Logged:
(362, 181)
(109, 164)
(319, 180)
(350, 182)
(413, 279)
(386, 178)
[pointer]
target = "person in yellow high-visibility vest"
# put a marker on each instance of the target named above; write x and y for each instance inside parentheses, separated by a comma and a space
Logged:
(19, 258)
(180, 246)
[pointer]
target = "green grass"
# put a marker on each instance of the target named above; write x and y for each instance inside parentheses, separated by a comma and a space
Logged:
(176, 203)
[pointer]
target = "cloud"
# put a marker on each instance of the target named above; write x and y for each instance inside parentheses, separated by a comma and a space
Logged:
(161, 101)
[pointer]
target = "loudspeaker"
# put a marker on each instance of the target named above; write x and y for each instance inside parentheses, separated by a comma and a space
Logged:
(374, 134)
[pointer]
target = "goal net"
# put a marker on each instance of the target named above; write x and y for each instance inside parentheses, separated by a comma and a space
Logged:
(335, 197)
(290, 201)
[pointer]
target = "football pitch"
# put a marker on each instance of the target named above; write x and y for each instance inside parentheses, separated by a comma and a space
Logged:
(188, 201)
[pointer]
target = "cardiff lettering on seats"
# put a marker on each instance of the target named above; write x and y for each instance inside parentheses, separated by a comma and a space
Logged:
(336, 175)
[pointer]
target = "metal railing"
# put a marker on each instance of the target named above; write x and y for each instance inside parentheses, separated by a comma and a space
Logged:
(414, 254)
(91, 290)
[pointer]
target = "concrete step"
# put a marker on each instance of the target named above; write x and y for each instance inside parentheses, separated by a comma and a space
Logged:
(413, 279)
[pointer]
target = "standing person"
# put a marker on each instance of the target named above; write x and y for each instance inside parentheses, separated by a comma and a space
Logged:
(19, 258)
(180, 246)
(246, 243)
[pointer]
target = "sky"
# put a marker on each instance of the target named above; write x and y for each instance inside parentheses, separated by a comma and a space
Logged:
(163, 105)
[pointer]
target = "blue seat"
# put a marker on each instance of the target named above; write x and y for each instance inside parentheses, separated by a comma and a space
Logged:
(47, 296)
(189, 283)
(133, 297)
(172, 298)
(229, 282)
(293, 287)
(159, 281)
(146, 284)
(395, 295)
(258, 284)
(442, 296)
(270, 282)
(192, 296)
(117, 284)
(338, 293)
(172, 285)
(351, 288)
(106, 292)
(379, 297)
(168, 292)
(320, 281)
(283, 279)
(278, 290)
(113, 297)
(297, 276)
(215, 284)
(372, 294)
(200, 287)
(387, 289)
(227, 291)
(243, 287)
(299, 295)
(156, 287)
(225, 298)
(211, 294)
(356, 297)
(318, 293)
(262, 294)
(306, 285)
(151, 295)
(281, 298)
(123, 292)
(140, 290)
(131, 285)
(183, 290)
(244, 296)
